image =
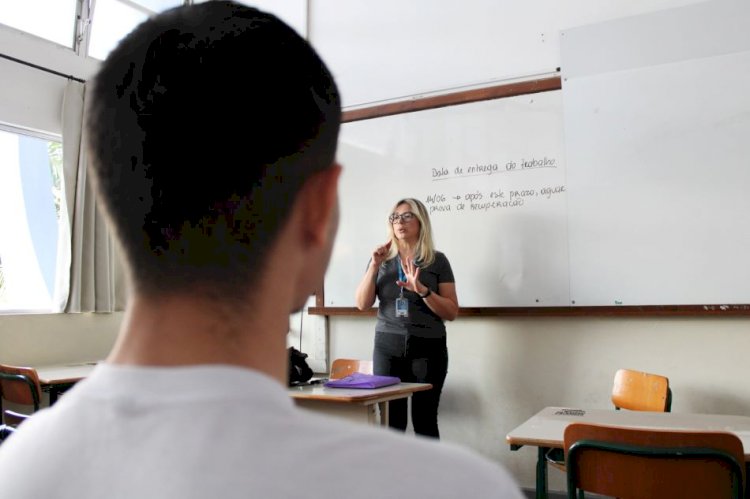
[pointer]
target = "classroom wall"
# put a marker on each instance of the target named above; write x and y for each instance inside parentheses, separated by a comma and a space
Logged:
(501, 370)
(399, 50)
(44, 339)
(30, 98)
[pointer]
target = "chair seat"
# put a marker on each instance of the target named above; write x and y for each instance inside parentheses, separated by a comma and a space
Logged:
(556, 458)
(5, 432)
(13, 418)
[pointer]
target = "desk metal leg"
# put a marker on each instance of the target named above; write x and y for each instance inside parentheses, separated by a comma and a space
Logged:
(56, 390)
(371, 414)
(53, 395)
(541, 473)
(383, 410)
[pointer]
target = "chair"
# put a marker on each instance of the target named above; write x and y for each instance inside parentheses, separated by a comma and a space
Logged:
(5, 432)
(19, 385)
(345, 367)
(639, 391)
(646, 463)
(634, 391)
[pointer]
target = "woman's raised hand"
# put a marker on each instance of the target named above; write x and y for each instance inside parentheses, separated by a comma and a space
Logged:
(380, 253)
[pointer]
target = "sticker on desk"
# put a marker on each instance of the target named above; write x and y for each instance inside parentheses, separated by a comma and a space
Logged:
(570, 412)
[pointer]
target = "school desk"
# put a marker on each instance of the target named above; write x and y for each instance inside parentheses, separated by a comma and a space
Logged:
(354, 403)
(545, 429)
(358, 404)
(55, 379)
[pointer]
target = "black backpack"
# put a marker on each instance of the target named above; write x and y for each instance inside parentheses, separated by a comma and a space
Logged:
(299, 371)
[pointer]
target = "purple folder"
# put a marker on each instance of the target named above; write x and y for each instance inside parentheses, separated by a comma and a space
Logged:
(360, 380)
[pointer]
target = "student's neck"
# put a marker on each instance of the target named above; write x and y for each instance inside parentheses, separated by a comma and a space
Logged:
(185, 330)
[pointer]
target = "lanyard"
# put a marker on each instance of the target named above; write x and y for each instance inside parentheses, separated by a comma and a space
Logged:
(401, 274)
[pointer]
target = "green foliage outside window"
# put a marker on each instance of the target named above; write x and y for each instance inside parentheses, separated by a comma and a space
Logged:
(56, 167)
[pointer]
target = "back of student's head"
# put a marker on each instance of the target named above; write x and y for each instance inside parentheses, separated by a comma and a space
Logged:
(202, 125)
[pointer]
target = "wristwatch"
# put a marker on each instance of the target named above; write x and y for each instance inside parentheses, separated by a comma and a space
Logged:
(428, 293)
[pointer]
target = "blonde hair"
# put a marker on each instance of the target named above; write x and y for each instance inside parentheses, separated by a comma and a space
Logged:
(425, 250)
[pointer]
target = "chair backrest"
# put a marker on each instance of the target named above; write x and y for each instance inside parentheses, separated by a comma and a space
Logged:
(344, 367)
(19, 385)
(639, 391)
(645, 463)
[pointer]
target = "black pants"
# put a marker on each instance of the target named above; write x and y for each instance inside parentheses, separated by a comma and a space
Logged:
(414, 360)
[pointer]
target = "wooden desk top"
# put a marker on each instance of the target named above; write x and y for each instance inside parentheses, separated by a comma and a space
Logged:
(71, 373)
(64, 373)
(356, 395)
(546, 428)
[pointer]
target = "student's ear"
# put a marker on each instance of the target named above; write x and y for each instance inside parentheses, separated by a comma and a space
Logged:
(319, 204)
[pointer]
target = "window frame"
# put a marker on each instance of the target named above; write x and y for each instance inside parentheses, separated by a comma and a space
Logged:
(62, 220)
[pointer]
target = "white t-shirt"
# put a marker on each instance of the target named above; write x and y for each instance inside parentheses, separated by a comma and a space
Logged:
(223, 432)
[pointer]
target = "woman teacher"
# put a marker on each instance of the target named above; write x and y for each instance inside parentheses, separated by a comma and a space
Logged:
(416, 292)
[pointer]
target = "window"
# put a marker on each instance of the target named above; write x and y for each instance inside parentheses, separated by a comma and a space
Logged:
(113, 19)
(34, 235)
(49, 19)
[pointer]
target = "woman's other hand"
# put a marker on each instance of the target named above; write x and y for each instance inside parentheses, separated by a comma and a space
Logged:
(411, 273)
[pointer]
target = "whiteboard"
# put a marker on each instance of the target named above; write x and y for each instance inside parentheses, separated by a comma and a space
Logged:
(658, 148)
(492, 175)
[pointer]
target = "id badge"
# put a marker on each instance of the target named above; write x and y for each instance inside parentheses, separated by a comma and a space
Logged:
(402, 307)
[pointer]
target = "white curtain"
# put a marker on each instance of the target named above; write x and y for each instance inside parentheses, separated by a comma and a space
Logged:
(92, 266)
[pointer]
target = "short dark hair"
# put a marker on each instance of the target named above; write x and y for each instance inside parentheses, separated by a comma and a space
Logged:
(202, 125)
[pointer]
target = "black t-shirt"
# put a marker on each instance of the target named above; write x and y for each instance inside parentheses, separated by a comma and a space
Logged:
(421, 321)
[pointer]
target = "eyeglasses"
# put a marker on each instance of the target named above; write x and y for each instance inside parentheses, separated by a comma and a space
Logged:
(405, 217)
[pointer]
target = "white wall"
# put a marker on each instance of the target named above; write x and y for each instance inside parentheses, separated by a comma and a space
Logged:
(502, 371)
(56, 338)
(29, 48)
(30, 98)
(397, 49)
